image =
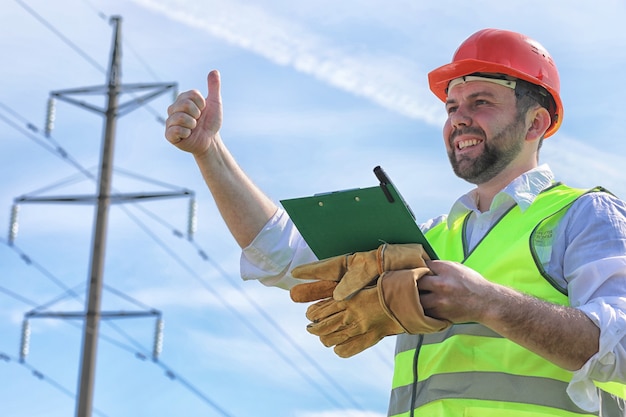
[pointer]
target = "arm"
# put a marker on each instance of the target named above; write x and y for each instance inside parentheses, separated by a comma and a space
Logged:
(563, 335)
(193, 125)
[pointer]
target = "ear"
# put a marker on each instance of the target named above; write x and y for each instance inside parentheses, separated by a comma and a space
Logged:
(539, 121)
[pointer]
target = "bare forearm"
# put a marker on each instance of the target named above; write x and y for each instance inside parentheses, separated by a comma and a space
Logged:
(243, 206)
(563, 335)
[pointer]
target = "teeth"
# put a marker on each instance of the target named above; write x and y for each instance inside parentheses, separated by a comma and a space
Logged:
(464, 144)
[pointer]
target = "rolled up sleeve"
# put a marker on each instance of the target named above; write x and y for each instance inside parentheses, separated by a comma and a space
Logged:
(274, 252)
(608, 312)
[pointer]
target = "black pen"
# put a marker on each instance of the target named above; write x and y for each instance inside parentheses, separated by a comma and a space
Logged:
(384, 183)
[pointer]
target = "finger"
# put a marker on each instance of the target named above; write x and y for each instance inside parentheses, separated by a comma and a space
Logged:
(362, 269)
(341, 332)
(331, 269)
(179, 126)
(191, 102)
(175, 134)
(426, 283)
(403, 256)
(312, 291)
(438, 267)
(427, 299)
(329, 325)
(356, 345)
(323, 309)
(353, 281)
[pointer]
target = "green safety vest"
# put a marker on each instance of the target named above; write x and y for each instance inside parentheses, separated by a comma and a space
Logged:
(470, 371)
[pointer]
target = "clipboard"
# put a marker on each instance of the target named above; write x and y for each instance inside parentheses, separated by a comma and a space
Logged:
(357, 220)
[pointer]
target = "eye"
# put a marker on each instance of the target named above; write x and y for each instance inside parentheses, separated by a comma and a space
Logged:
(451, 109)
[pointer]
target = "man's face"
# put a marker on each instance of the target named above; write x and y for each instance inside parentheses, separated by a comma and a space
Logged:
(483, 133)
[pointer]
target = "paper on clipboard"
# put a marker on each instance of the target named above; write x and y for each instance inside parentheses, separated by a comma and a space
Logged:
(355, 220)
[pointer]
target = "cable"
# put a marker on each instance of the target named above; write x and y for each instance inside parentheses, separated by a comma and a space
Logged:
(104, 16)
(202, 253)
(18, 297)
(156, 114)
(42, 377)
(251, 326)
(139, 352)
(48, 143)
(171, 374)
(68, 42)
(30, 262)
(278, 328)
(127, 297)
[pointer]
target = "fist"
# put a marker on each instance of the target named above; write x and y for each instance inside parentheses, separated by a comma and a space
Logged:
(193, 121)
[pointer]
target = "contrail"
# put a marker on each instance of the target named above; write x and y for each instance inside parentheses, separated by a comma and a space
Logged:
(389, 81)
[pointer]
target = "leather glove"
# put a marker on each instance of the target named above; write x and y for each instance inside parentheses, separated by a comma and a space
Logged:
(343, 275)
(391, 307)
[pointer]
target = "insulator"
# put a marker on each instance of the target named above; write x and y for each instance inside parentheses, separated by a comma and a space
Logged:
(192, 223)
(50, 116)
(158, 339)
(25, 342)
(14, 226)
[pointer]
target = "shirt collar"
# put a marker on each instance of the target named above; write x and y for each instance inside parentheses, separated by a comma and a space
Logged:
(521, 191)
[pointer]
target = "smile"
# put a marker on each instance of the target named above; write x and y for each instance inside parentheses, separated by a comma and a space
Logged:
(467, 143)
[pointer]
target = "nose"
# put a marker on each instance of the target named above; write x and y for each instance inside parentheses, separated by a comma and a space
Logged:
(460, 117)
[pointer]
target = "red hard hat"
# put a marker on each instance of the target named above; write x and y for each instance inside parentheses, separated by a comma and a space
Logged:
(496, 51)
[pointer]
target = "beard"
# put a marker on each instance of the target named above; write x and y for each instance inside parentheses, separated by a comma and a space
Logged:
(498, 152)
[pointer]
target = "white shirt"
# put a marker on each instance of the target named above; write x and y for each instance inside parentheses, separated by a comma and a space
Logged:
(587, 256)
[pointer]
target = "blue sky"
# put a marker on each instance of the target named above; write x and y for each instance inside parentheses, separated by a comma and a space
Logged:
(316, 93)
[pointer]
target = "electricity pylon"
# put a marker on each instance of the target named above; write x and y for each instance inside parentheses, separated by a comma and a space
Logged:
(114, 109)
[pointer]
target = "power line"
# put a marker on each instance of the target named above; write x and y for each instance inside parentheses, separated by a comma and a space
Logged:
(138, 351)
(48, 143)
(43, 377)
(337, 387)
(139, 354)
(86, 56)
(127, 44)
(200, 251)
(65, 40)
(18, 297)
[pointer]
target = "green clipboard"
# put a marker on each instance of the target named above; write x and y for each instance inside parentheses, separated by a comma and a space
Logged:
(355, 220)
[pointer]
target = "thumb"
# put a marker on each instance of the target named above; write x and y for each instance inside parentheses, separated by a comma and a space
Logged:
(214, 86)
(438, 267)
(210, 120)
(331, 269)
(354, 280)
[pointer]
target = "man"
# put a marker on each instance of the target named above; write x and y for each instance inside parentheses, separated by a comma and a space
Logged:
(531, 288)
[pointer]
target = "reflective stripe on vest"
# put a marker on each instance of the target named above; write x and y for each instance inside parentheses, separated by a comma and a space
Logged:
(469, 367)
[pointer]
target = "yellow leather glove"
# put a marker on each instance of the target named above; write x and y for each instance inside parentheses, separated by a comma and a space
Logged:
(391, 307)
(342, 276)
